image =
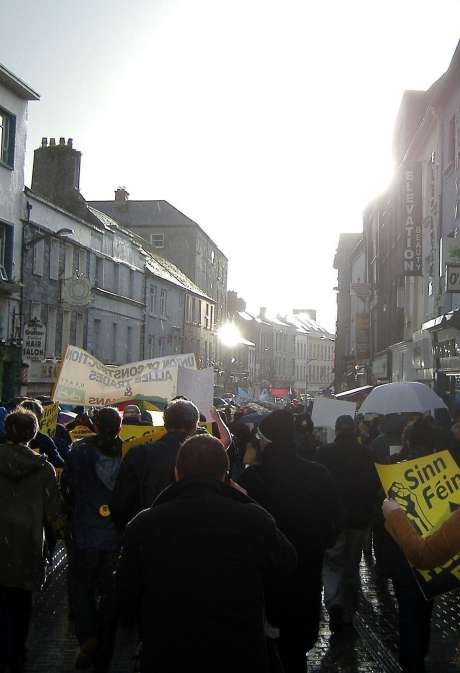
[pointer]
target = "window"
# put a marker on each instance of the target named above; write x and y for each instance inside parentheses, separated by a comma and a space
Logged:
(38, 255)
(99, 272)
(3, 275)
(82, 260)
(213, 256)
(66, 319)
(153, 299)
(151, 346)
(7, 134)
(97, 336)
(157, 240)
(129, 343)
(54, 259)
(96, 241)
(163, 298)
(114, 341)
(116, 278)
(51, 331)
(79, 330)
(131, 284)
(68, 261)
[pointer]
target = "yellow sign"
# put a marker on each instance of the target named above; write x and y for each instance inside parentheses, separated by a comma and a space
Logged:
(49, 420)
(131, 435)
(428, 489)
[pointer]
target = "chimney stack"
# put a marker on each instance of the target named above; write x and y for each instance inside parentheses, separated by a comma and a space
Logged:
(310, 312)
(262, 312)
(121, 194)
(56, 175)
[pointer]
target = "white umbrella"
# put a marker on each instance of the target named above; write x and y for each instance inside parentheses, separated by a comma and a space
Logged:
(397, 398)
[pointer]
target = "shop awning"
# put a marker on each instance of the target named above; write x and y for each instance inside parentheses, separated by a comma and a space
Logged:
(354, 392)
(451, 319)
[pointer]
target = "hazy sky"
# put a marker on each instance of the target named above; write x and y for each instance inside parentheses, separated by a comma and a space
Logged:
(269, 123)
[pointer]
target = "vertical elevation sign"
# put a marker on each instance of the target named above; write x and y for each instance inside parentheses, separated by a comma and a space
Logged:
(412, 220)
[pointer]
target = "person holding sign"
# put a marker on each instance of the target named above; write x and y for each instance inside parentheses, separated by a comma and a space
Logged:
(424, 553)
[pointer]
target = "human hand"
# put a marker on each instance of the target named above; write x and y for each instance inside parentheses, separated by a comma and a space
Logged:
(390, 505)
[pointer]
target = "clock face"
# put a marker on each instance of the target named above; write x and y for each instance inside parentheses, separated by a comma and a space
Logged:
(77, 291)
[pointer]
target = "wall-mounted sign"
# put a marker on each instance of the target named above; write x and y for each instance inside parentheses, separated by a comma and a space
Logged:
(453, 277)
(33, 349)
(411, 198)
(76, 291)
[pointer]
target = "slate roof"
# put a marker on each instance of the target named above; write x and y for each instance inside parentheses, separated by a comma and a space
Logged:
(158, 266)
(153, 213)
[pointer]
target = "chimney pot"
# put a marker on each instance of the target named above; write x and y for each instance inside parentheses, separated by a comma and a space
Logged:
(52, 142)
(44, 142)
(70, 143)
(121, 194)
(62, 141)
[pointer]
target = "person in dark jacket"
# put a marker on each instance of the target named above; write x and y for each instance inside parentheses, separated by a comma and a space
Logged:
(29, 499)
(87, 483)
(41, 442)
(414, 611)
(197, 593)
(356, 483)
(389, 442)
(149, 468)
(301, 497)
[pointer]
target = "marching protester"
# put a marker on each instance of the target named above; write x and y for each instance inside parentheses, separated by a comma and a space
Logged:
(29, 500)
(356, 484)
(149, 468)
(414, 611)
(87, 483)
(388, 443)
(41, 442)
(198, 593)
(301, 497)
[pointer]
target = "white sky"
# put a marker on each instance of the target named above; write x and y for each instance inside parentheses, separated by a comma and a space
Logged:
(268, 122)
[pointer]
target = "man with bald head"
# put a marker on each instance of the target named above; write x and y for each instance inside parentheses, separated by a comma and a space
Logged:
(194, 570)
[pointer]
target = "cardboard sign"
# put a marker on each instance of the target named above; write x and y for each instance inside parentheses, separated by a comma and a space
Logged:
(197, 385)
(428, 489)
(326, 412)
(86, 381)
(49, 420)
(131, 435)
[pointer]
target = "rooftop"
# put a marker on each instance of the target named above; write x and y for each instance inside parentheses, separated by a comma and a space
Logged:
(145, 214)
(14, 83)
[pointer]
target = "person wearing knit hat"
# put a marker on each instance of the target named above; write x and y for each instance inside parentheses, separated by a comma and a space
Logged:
(300, 496)
(356, 484)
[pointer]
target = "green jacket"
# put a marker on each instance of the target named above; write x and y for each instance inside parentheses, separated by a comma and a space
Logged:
(29, 499)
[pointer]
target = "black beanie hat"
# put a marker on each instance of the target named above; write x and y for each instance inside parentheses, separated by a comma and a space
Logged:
(279, 425)
(344, 424)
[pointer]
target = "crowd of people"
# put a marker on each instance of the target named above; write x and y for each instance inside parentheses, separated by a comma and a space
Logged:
(217, 552)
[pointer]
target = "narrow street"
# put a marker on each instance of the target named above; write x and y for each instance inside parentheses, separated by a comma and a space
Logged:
(372, 648)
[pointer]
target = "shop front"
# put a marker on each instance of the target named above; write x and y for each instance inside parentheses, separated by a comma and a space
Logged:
(445, 332)
(10, 372)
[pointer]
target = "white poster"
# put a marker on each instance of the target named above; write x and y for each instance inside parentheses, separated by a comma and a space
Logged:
(85, 380)
(326, 412)
(197, 385)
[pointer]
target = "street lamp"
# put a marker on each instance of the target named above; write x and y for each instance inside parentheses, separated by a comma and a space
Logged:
(306, 373)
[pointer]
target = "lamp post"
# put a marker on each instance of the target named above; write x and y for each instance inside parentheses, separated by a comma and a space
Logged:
(306, 373)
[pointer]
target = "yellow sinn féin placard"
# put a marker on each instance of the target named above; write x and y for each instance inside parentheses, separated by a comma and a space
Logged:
(428, 489)
(49, 420)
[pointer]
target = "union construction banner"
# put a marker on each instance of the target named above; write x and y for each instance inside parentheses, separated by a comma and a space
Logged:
(428, 489)
(84, 380)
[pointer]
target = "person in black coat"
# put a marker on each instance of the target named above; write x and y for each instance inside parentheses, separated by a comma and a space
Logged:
(148, 469)
(42, 443)
(194, 569)
(357, 485)
(301, 496)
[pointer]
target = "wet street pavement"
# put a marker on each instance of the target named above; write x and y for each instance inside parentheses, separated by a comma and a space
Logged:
(371, 648)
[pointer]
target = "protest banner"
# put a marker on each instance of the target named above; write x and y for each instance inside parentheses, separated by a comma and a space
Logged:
(428, 489)
(84, 380)
(131, 435)
(197, 385)
(49, 419)
(326, 412)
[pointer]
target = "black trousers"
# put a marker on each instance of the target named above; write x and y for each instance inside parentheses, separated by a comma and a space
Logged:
(414, 626)
(15, 612)
(93, 600)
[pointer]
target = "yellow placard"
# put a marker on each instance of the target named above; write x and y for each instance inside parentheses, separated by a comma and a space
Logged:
(131, 435)
(49, 420)
(428, 489)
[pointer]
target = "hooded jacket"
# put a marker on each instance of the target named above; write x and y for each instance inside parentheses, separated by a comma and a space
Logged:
(193, 572)
(87, 483)
(29, 499)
